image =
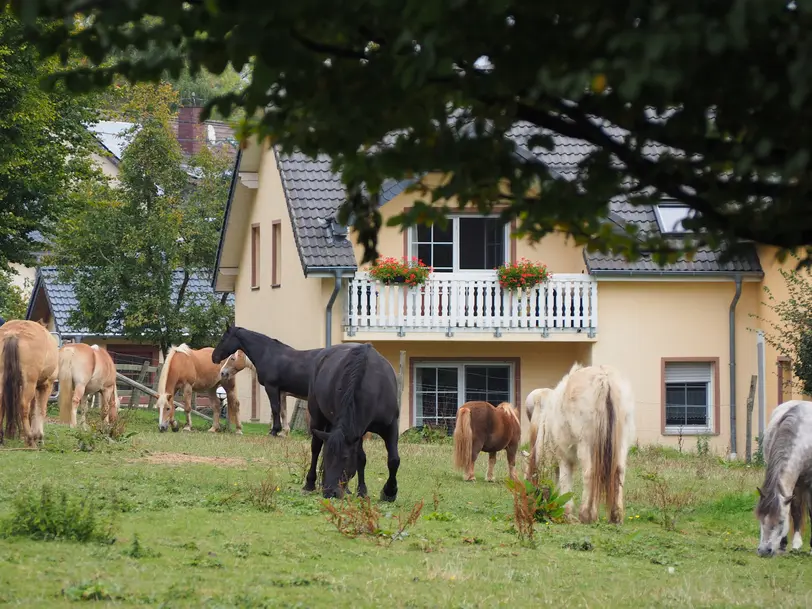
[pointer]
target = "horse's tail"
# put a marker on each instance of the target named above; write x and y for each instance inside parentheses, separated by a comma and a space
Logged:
(65, 399)
(608, 435)
(353, 375)
(463, 439)
(12, 388)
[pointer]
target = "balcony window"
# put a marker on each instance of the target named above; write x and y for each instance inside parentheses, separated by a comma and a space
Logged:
(467, 243)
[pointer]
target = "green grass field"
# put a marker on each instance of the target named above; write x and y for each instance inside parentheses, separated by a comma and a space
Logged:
(213, 531)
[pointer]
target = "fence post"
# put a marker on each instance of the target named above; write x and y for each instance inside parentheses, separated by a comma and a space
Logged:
(151, 404)
(135, 395)
(751, 398)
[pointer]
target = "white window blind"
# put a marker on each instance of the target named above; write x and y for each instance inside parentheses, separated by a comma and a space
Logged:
(687, 372)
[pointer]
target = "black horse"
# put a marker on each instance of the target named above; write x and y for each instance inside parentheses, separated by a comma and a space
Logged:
(280, 368)
(353, 390)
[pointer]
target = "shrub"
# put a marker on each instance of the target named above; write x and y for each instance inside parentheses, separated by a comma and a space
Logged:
(51, 515)
(522, 274)
(427, 434)
(390, 270)
(669, 502)
(535, 503)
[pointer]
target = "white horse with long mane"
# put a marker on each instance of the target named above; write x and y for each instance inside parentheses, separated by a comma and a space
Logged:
(589, 419)
(787, 478)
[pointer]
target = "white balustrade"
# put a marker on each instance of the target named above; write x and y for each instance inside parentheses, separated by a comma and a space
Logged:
(455, 302)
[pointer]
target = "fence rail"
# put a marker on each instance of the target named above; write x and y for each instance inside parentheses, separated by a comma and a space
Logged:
(563, 303)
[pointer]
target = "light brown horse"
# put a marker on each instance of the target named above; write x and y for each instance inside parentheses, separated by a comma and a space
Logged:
(29, 364)
(84, 371)
(192, 370)
(481, 427)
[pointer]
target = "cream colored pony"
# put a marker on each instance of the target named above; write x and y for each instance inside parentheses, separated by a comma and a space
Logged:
(588, 418)
(84, 371)
(29, 364)
(191, 370)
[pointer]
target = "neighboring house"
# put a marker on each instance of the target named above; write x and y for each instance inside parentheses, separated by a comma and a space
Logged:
(54, 301)
(295, 277)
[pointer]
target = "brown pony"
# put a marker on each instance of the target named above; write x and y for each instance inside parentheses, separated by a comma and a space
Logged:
(29, 364)
(192, 370)
(481, 427)
(84, 371)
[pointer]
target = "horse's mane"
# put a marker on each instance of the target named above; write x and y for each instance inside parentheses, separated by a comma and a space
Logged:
(248, 363)
(353, 374)
(508, 407)
(779, 444)
(165, 368)
(184, 348)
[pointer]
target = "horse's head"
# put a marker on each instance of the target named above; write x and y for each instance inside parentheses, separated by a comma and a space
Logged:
(772, 511)
(234, 363)
(340, 461)
(164, 406)
(228, 344)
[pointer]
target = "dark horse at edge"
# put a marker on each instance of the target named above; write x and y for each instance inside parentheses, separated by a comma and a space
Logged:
(280, 368)
(353, 390)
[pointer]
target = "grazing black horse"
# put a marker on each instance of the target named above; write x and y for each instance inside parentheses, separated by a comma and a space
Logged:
(353, 390)
(280, 368)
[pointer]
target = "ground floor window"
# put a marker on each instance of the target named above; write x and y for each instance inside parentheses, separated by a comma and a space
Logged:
(689, 394)
(441, 388)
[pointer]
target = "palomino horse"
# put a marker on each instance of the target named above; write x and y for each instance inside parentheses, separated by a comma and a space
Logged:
(29, 364)
(788, 455)
(193, 370)
(84, 371)
(588, 418)
(239, 361)
(280, 369)
(481, 427)
(353, 389)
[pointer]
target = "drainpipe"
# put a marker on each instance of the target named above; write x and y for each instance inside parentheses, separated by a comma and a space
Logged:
(732, 331)
(328, 319)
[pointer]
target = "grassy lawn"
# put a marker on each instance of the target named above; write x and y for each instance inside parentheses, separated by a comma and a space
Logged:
(213, 531)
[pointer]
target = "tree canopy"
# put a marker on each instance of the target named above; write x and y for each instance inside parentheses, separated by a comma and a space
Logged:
(704, 102)
(133, 249)
(44, 147)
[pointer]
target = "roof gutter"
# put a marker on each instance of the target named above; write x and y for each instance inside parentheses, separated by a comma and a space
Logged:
(231, 190)
(630, 273)
(732, 332)
(328, 312)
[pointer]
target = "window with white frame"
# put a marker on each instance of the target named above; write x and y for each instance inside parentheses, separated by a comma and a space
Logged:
(441, 388)
(671, 215)
(689, 397)
(467, 243)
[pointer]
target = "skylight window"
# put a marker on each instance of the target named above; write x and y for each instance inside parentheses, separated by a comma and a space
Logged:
(670, 217)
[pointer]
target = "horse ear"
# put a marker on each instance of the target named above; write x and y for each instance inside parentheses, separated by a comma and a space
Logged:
(41, 321)
(321, 435)
(760, 494)
(788, 500)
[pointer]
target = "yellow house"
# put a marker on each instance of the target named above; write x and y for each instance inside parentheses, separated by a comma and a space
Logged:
(682, 333)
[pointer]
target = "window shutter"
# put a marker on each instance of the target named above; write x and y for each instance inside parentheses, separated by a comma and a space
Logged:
(688, 372)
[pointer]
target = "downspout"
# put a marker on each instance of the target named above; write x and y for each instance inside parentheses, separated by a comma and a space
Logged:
(328, 319)
(732, 331)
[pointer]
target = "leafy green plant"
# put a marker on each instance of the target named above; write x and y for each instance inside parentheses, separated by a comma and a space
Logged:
(138, 550)
(702, 446)
(535, 503)
(427, 434)
(94, 590)
(55, 515)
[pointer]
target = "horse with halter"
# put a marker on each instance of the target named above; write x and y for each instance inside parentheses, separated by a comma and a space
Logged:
(194, 370)
(787, 477)
(29, 365)
(353, 390)
(281, 369)
(84, 371)
(589, 419)
(481, 427)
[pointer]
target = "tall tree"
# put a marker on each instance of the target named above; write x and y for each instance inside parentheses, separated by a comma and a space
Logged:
(131, 252)
(703, 102)
(44, 147)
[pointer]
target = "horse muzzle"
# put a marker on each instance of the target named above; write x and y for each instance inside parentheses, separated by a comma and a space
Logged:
(162, 427)
(765, 552)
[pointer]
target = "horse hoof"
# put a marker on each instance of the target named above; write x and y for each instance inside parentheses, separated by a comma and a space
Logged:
(186, 428)
(238, 432)
(212, 430)
(390, 498)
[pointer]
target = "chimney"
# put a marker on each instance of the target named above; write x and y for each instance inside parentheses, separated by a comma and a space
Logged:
(191, 132)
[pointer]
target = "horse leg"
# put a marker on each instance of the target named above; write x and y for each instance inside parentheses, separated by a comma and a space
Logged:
(361, 491)
(589, 505)
(283, 414)
(616, 510)
(109, 408)
(187, 407)
(233, 403)
(491, 464)
(565, 468)
(476, 447)
(273, 397)
(39, 410)
(78, 394)
(796, 511)
(29, 415)
(510, 452)
(215, 425)
(389, 492)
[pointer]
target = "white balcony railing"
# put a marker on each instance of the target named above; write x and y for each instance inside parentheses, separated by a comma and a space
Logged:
(452, 302)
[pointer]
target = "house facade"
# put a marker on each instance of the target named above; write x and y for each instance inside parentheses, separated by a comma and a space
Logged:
(684, 334)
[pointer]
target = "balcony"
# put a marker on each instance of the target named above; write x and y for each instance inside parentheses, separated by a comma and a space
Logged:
(565, 307)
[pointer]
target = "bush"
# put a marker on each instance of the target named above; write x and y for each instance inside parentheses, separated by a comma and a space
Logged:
(426, 434)
(52, 515)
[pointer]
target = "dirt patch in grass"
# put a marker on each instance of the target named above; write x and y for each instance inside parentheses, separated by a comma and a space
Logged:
(159, 458)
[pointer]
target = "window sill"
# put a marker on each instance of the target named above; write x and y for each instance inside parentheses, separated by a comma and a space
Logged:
(690, 431)
(254, 287)
(276, 285)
